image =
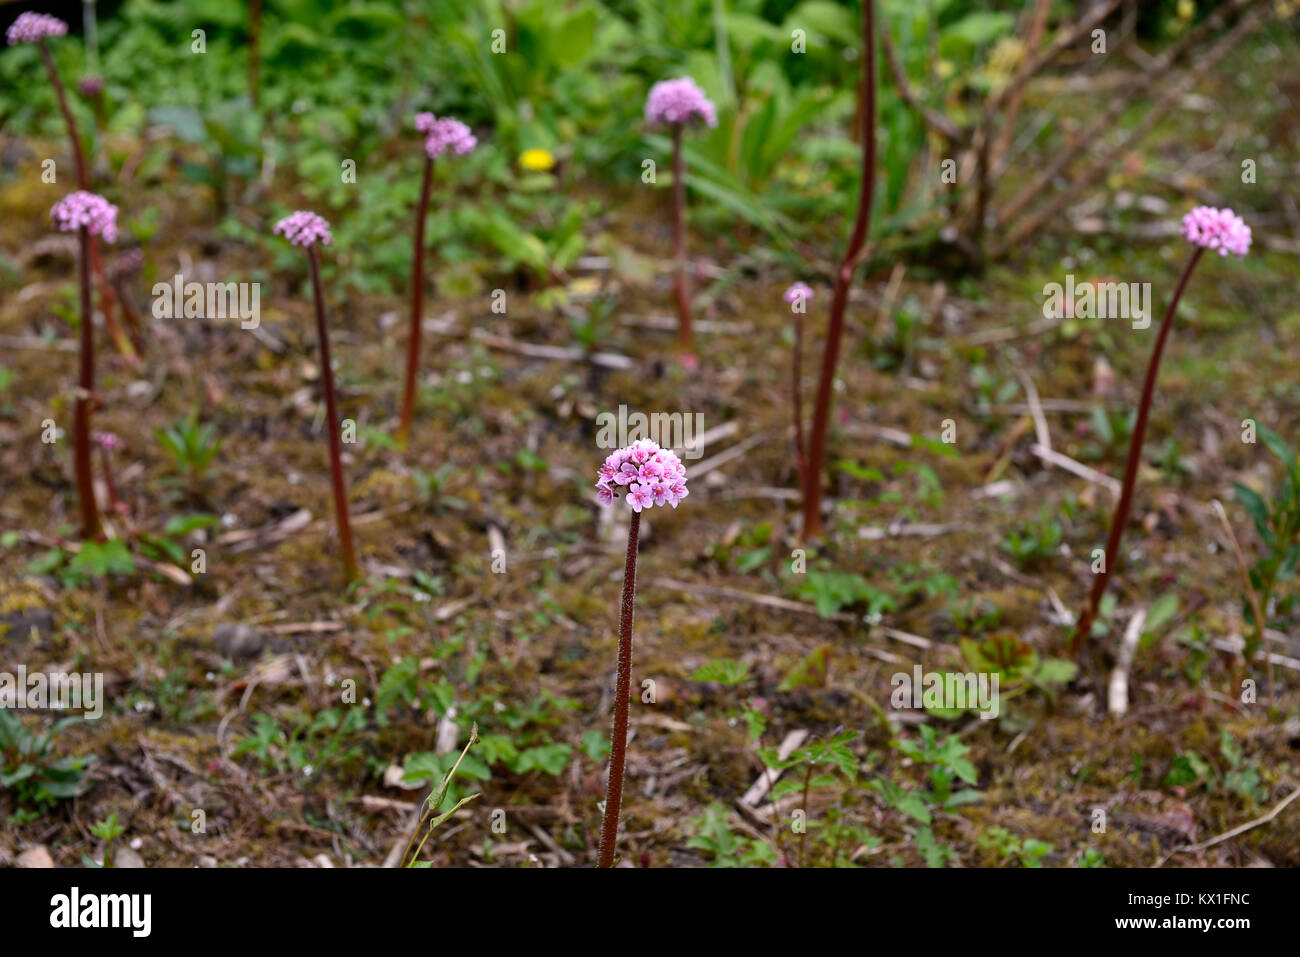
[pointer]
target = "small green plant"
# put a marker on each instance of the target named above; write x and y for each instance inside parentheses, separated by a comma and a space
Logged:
(1090, 857)
(1241, 776)
(432, 487)
(712, 834)
(308, 744)
(592, 325)
(939, 765)
(1016, 664)
(108, 831)
(1029, 852)
(831, 590)
(820, 765)
(1034, 542)
(29, 767)
(429, 816)
(192, 446)
(94, 560)
(1278, 525)
(169, 545)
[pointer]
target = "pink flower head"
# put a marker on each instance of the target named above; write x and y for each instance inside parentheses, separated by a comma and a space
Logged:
(799, 292)
(652, 476)
(90, 210)
(304, 229)
(91, 85)
(108, 441)
(1220, 229)
(35, 27)
(679, 101)
(443, 135)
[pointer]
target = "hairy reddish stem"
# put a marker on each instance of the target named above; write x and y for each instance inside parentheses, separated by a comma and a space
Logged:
(417, 307)
(622, 690)
(83, 179)
(106, 298)
(1117, 524)
(90, 526)
(681, 283)
(812, 493)
(796, 388)
(350, 568)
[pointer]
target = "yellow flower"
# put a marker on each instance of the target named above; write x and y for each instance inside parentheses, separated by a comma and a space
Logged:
(1186, 9)
(536, 160)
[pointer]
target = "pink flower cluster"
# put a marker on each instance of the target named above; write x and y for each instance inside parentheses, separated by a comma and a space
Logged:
(90, 210)
(679, 101)
(1219, 229)
(109, 441)
(800, 291)
(34, 27)
(653, 476)
(443, 135)
(304, 229)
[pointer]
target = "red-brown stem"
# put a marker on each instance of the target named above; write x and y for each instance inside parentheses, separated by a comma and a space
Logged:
(417, 307)
(796, 389)
(333, 424)
(106, 297)
(812, 493)
(681, 284)
(83, 179)
(90, 527)
(622, 689)
(107, 302)
(134, 327)
(1117, 524)
(254, 43)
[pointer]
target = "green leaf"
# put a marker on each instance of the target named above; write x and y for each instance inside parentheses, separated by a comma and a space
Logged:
(1279, 447)
(1256, 509)
(723, 670)
(182, 525)
(809, 673)
(1161, 613)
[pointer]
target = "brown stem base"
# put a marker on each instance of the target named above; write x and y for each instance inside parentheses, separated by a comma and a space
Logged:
(350, 568)
(622, 691)
(1084, 628)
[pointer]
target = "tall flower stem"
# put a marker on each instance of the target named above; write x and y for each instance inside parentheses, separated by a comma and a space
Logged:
(1117, 524)
(681, 283)
(83, 179)
(90, 526)
(106, 297)
(796, 395)
(350, 568)
(417, 307)
(622, 690)
(812, 493)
